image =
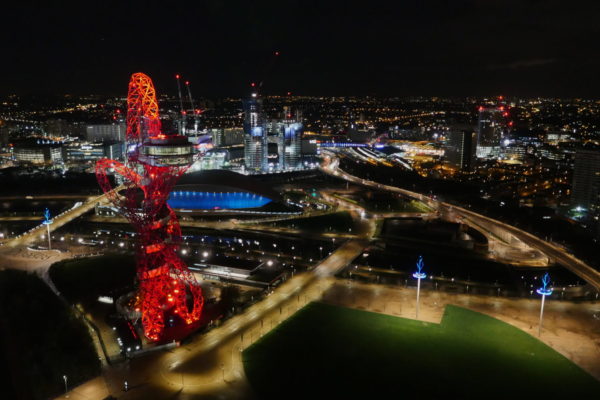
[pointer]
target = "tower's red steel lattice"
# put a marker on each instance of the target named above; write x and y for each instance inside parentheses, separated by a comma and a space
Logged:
(155, 162)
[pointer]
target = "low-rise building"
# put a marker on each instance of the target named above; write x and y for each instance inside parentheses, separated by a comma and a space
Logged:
(85, 151)
(39, 152)
(106, 132)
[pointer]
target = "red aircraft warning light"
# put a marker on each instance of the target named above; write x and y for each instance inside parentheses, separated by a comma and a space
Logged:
(166, 287)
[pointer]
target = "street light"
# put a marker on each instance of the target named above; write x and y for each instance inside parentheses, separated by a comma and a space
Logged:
(47, 222)
(544, 291)
(66, 388)
(419, 275)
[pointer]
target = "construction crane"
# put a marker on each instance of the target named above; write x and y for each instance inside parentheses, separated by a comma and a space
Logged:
(194, 111)
(256, 88)
(181, 120)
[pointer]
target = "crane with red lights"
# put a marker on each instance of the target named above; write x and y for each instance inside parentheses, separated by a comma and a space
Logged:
(195, 112)
(181, 121)
(184, 113)
(268, 68)
(166, 287)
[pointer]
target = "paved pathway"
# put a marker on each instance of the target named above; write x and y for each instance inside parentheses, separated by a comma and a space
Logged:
(94, 389)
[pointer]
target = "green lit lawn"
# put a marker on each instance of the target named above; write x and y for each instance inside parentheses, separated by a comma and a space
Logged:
(345, 353)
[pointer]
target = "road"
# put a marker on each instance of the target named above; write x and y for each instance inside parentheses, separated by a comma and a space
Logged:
(58, 221)
(364, 226)
(503, 246)
(23, 218)
(508, 250)
(556, 253)
(46, 197)
(578, 267)
(331, 197)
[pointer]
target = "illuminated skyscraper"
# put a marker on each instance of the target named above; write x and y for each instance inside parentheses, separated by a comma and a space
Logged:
(491, 129)
(292, 143)
(255, 135)
(226, 136)
(586, 181)
(4, 133)
(288, 136)
(460, 148)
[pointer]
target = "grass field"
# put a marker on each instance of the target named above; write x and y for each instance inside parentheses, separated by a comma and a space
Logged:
(40, 340)
(339, 353)
(84, 279)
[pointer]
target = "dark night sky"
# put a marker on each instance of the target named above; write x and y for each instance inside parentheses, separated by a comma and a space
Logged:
(420, 47)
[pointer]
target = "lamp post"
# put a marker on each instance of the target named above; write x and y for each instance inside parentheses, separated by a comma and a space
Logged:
(419, 275)
(544, 291)
(47, 222)
(66, 387)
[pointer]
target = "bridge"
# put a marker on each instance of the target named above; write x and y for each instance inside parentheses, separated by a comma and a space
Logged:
(62, 219)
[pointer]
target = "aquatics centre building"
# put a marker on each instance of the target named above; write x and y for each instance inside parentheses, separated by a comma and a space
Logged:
(223, 190)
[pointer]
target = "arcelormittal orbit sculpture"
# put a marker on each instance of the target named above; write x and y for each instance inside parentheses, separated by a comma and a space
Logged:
(154, 163)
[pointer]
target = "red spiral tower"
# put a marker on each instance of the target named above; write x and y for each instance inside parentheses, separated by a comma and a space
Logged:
(154, 163)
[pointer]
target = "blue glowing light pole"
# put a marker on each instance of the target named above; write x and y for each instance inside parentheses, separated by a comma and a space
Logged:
(544, 291)
(47, 222)
(419, 275)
